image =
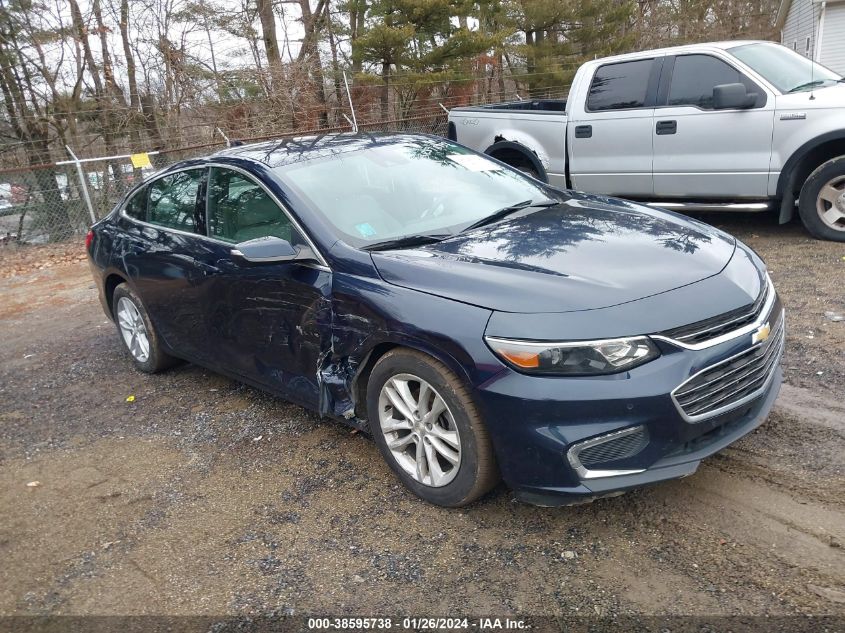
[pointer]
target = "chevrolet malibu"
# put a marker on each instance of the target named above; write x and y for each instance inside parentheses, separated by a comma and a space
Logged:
(479, 324)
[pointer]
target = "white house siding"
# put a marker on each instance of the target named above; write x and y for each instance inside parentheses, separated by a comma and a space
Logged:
(802, 22)
(833, 37)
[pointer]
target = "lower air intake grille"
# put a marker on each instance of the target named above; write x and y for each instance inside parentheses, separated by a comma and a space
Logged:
(615, 448)
(732, 382)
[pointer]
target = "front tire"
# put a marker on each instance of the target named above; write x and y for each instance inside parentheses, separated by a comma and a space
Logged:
(428, 429)
(822, 201)
(139, 337)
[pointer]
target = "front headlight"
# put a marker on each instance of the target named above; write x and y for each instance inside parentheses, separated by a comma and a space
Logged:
(577, 358)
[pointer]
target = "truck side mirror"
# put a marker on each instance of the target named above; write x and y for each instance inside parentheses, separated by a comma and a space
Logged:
(733, 97)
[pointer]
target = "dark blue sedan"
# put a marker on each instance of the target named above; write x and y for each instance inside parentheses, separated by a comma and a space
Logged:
(478, 323)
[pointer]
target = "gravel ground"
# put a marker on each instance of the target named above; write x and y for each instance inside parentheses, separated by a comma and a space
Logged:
(204, 496)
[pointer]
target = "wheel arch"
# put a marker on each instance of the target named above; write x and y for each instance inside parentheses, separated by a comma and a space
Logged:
(801, 164)
(110, 283)
(503, 150)
(377, 350)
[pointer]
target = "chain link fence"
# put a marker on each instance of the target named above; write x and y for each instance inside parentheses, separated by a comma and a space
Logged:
(55, 202)
(52, 203)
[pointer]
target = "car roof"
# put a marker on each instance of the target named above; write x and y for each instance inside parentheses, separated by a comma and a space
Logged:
(287, 151)
(685, 48)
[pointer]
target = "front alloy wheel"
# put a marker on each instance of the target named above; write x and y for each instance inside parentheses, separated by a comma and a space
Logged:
(426, 424)
(420, 430)
(822, 201)
(830, 204)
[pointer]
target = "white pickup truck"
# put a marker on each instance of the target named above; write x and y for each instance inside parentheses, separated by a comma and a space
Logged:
(728, 125)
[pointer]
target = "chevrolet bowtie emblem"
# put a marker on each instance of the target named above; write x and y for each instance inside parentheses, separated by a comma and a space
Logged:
(761, 333)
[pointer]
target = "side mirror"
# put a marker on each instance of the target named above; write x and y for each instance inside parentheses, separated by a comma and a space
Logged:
(265, 250)
(733, 97)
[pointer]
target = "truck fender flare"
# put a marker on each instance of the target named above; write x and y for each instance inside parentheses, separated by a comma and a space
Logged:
(526, 152)
(786, 180)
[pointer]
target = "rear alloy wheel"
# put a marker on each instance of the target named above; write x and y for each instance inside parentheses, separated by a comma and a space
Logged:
(133, 330)
(428, 429)
(137, 332)
(822, 201)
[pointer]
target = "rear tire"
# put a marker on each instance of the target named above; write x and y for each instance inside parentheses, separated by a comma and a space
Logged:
(433, 436)
(136, 331)
(822, 201)
(528, 170)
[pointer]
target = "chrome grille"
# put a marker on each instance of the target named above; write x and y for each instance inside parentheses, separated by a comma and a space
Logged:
(732, 382)
(709, 329)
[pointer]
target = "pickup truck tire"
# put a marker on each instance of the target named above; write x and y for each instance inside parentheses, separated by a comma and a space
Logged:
(528, 171)
(822, 201)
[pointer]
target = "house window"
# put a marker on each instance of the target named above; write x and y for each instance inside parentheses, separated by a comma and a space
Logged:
(808, 46)
(795, 45)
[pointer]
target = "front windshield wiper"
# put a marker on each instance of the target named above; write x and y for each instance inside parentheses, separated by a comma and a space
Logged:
(407, 241)
(809, 84)
(506, 211)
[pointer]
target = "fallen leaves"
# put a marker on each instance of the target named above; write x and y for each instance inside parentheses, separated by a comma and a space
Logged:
(25, 259)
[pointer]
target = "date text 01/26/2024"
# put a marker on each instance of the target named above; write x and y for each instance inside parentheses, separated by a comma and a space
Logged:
(416, 624)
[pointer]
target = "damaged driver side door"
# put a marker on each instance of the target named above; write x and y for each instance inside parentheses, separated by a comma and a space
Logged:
(268, 322)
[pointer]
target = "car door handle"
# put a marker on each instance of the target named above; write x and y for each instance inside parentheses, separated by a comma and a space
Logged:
(583, 131)
(667, 127)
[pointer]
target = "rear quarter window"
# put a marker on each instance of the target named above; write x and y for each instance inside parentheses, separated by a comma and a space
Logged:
(620, 86)
(136, 207)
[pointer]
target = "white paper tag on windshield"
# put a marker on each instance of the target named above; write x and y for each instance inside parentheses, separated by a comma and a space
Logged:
(473, 162)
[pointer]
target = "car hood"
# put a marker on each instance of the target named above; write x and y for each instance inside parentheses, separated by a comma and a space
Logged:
(585, 253)
(828, 96)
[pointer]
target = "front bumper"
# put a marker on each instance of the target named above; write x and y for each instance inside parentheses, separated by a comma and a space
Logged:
(674, 466)
(535, 421)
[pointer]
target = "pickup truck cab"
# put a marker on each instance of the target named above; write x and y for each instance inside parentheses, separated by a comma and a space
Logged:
(741, 125)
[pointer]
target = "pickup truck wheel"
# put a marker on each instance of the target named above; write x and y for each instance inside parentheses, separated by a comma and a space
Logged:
(822, 201)
(428, 429)
(528, 170)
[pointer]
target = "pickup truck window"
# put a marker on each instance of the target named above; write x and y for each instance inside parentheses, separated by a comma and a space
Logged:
(695, 76)
(786, 70)
(620, 86)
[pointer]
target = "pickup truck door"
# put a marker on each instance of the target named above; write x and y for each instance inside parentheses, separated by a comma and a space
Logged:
(609, 134)
(700, 152)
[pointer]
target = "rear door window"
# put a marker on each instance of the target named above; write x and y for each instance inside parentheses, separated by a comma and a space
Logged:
(172, 201)
(620, 86)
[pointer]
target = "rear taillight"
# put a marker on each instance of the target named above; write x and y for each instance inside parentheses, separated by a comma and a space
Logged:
(89, 239)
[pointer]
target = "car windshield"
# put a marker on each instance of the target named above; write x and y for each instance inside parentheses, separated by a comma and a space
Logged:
(411, 186)
(785, 69)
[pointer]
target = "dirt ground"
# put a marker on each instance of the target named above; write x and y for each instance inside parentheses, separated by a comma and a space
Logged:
(204, 496)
